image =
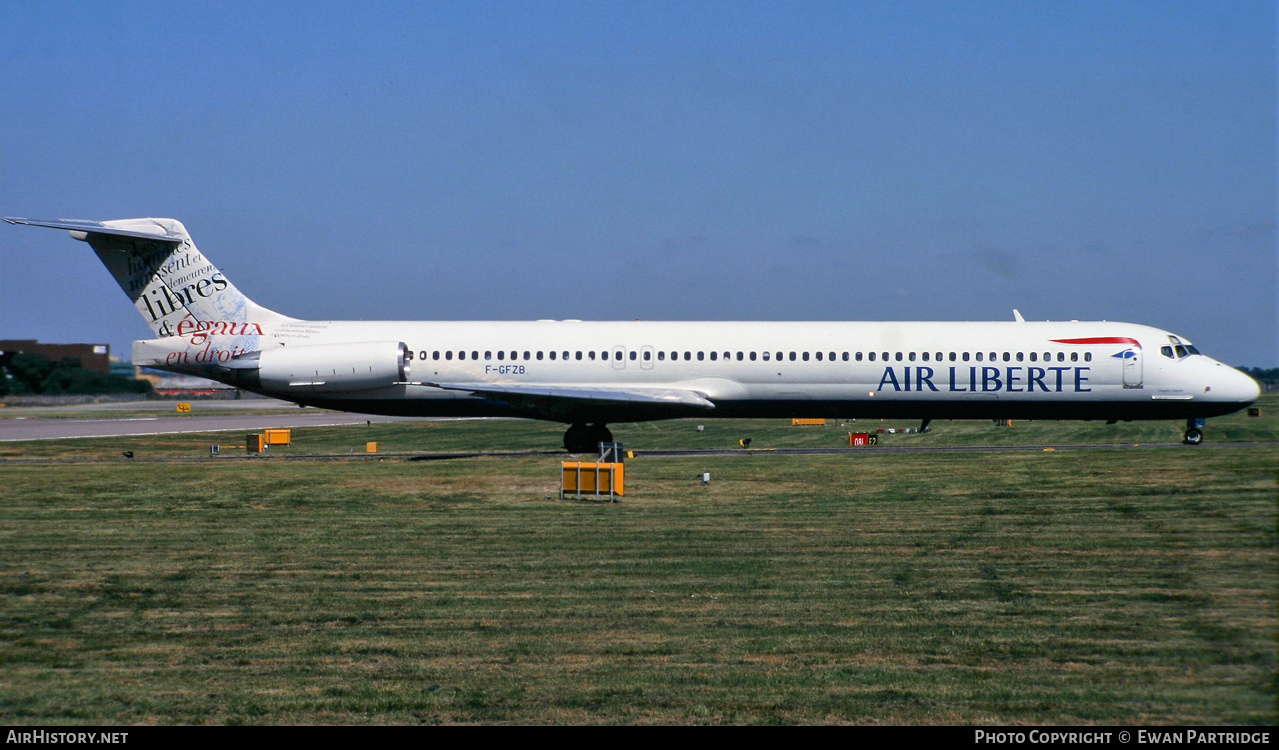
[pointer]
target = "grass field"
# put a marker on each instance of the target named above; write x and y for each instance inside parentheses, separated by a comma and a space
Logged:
(1074, 586)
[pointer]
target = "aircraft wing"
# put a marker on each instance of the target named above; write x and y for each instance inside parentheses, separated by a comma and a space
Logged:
(570, 402)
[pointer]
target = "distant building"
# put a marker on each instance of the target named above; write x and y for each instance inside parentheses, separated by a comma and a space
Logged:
(96, 357)
(123, 368)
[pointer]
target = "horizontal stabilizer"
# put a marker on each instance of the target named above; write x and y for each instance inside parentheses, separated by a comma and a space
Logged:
(142, 228)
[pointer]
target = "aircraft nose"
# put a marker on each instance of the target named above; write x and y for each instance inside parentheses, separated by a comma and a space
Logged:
(1238, 387)
(1250, 387)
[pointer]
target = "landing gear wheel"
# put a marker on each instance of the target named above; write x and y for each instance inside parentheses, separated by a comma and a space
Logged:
(578, 439)
(1194, 436)
(583, 439)
(600, 434)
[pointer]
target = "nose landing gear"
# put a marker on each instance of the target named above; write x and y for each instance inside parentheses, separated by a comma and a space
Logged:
(1194, 432)
(581, 438)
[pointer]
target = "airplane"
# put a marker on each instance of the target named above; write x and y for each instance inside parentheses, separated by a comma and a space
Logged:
(591, 374)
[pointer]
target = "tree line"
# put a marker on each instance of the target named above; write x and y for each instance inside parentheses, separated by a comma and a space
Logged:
(29, 373)
(1269, 376)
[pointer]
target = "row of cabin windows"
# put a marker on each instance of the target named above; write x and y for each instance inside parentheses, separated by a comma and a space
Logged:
(780, 356)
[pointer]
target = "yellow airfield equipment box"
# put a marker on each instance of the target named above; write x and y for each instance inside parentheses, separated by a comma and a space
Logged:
(807, 422)
(255, 443)
(593, 478)
(278, 437)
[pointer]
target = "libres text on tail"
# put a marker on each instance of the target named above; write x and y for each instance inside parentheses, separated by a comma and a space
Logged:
(172, 285)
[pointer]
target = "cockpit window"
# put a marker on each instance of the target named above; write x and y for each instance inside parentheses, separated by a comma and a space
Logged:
(1177, 352)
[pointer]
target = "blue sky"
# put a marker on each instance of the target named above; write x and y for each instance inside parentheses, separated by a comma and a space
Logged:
(601, 160)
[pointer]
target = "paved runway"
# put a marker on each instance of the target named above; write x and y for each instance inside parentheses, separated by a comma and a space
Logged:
(18, 428)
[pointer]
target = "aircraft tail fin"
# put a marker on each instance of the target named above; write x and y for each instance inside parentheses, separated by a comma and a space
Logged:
(172, 285)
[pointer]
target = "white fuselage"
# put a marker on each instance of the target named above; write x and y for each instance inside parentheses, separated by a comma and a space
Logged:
(590, 372)
(1091, 370)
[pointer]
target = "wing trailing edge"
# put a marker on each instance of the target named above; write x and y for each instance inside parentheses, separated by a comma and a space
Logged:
(561, 402)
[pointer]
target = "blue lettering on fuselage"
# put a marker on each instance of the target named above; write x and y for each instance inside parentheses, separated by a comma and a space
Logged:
(923, 376)
(991, 379)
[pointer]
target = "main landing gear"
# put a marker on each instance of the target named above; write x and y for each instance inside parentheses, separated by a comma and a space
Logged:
(581, 438)
(1194, 432)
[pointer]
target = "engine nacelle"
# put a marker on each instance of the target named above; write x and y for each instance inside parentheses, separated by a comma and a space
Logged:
(319, 368)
